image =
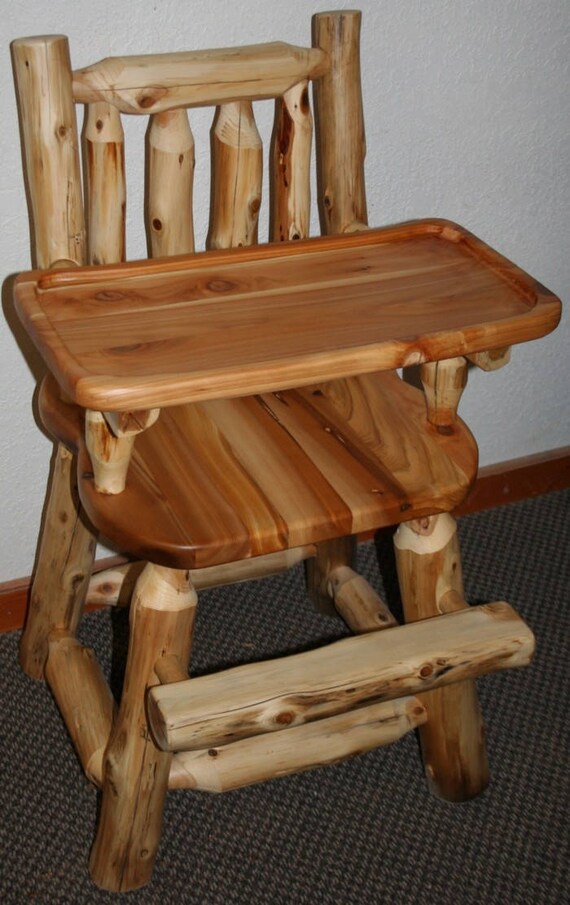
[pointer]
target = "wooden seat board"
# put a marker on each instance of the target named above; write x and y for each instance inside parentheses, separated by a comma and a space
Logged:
(243, 321)
(255, 475)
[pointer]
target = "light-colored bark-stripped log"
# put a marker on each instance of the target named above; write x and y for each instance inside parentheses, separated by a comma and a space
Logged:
(357, 602)
(453, 739)
(135, 774)
(329, 555)
(291, 148)
(129, 424)
(65, 560)
(169, 669)
(110, 456)
(112, 587)
(236, 177)
(106, 187)
(294, 750)
(379, 666)
(170, 180)
(84, 698)
(341, 144)
(443, 383)
(491, 360)
(157, 82)
(51, 148)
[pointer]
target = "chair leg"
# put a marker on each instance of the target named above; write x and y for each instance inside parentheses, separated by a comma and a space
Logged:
(452, 740)
(65, 559)
(330, 554)
(135, 771)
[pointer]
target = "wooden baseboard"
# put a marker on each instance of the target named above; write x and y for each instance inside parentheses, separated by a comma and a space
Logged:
(506, 482)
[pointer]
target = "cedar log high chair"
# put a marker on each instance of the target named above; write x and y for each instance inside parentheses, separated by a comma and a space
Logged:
(224, 415)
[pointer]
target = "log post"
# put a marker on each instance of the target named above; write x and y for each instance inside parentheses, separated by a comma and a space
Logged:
(491, 360)
(65, 560)
(135, 774)
(329, 555)
(110, 456)
(51, 160)
(341, 145)
(51, 148)
(453, 739)
(443, 383)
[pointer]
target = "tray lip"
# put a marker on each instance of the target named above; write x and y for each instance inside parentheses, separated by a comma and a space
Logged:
(111, 393)
(448, 230)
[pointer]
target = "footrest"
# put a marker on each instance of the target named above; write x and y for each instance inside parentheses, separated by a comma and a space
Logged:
(272, 695)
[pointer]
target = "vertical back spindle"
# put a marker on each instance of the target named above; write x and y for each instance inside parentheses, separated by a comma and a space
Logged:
(170, 183)
(106, 191)
(236, 177)
(292, 136)
(341, 145)
(47, 114)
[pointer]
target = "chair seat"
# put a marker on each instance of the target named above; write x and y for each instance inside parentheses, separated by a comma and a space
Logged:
(224, 480)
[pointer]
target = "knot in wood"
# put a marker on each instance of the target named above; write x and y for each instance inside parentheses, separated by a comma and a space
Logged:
(285, 718)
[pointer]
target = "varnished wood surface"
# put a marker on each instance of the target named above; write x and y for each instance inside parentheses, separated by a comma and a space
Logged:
(222, 480)
(244, 321)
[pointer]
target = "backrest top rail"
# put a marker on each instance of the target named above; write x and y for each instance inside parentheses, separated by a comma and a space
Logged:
(156, 82)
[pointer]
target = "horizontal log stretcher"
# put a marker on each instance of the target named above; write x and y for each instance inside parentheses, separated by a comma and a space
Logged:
(264, 697)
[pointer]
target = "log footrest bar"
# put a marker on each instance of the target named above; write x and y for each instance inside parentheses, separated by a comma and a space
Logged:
(293, 750)
(272, 695)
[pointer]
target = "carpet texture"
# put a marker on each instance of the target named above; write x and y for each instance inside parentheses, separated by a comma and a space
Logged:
(365, 831)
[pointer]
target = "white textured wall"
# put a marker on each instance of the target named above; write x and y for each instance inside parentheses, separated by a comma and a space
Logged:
(467, 107)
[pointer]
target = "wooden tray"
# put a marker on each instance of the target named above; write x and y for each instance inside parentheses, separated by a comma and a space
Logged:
(252, 320)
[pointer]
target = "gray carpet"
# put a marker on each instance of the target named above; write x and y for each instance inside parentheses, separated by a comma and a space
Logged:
(366, 831)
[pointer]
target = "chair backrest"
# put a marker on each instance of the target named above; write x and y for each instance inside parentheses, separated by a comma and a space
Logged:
(66, 228)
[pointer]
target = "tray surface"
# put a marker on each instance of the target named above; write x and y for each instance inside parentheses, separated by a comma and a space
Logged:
(250, 320)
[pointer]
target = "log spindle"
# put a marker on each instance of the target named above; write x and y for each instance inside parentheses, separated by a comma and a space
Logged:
(291, 144)
(236, 177)
(135, 775)
(170, 182)
(453, 739)
(443, 383)
(106, 186)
